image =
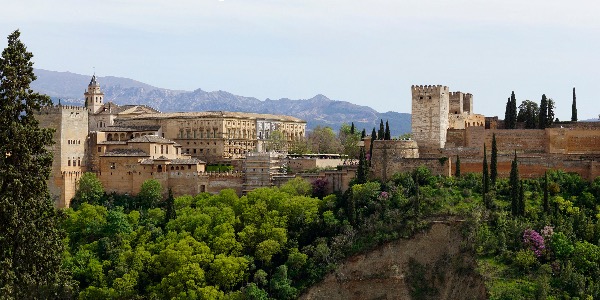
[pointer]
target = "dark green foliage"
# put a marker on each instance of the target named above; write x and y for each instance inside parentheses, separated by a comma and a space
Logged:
(543, 115)
(89, 190)
(373, 138)
(485, 174)
(546, 201)
(150, 194)
(494, 161)
(550, 113)
(352, 129)
(514, 186)
(528, 114)
(170, 213)
(381, 132)
(574, 108)
(388, 135)
(521, 205)
(363, 169)
(363, 134)
(510, 114)
(457, 167)
(30, 241)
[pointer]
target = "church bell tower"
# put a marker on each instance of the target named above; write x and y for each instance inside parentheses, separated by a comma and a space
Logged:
(94, 98)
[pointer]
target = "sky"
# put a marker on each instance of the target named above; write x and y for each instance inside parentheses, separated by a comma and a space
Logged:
(365, 52)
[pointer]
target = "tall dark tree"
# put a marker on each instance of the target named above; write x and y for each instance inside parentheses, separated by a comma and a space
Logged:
(510, 115)
(543, 115)
(170, 214)
(494, 161)
(381, 132)
(486, 177)
(574, 108)
(457, 168)
(550, 113)
(352, 129)
(546, 202)
(528, 114)
(514, 186)
(362, 170)
(507, 114)
(388, 134)
(31, 244)
(363, 134)
(373, 138)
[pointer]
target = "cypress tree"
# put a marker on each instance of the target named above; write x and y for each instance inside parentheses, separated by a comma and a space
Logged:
(361, 171)
(550, 113)
(574, 108)
(513, 110)
(521, 199)
(352, 129)
(170, 214)
(485, 178)
(543, 115)
(31, 243)
(514, 186)
(546, 196)
(363, 134)
(457, 169)
(494, 161)
(381, 132)
(388, 135)
(373, 138)
(507, 114)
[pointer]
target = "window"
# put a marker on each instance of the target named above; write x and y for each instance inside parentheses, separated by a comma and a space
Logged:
(69, 163)
(99, 149)
(113, 165)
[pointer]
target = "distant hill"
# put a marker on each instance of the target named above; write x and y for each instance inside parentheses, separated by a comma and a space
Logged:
(317, 111)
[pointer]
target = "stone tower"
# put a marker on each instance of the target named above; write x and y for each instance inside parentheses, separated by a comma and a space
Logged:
(430, 107)
(94, 98)
(70, 124)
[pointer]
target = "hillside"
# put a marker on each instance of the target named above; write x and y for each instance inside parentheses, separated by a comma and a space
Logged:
(317, 111)
(390, 270)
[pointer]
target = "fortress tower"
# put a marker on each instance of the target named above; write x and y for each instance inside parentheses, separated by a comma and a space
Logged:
(94, 98)
(430, 108)
(69, 149)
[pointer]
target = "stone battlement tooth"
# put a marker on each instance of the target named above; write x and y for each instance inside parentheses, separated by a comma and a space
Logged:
(429, 88)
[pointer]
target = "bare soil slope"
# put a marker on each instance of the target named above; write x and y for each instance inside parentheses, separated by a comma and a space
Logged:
(430, 264)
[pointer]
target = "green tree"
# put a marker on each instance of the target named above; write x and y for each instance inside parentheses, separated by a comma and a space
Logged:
(363, 134)
(457, 169)
(150, 194)
(276, 141)
(31, 245)
(574, 108)
(373, 138)
(352, 129)
(510, 114)
(381, 132)
(349, 139)
(528, 114)
(550, 113)
(543, 115)
(324, 140)
(89, 190)
(514, 186)
(388, 134)
(546, 202)
(486, 175)
(362, 170)
(494, 161)
(170, 214)
(521, 209)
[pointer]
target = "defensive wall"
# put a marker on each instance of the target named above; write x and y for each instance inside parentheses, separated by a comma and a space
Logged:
(300, 164)
(337, 180)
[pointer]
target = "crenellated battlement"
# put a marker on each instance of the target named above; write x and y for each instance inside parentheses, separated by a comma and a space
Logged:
(426, 89)
(59, 109)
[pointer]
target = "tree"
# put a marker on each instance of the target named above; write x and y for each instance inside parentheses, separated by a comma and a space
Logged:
(457, 169)
(381, 132)
(89, 190)
(170, 214)
(514, 186)
(349, 139)
(521, 210)
(373, 138)
(574, 108)
(388, 135)
(546, 202)
(362, 170)
(550, 113)
(150, 194)
(528, 114)
(352, 129)
(543, 115)
(485, 178)
(31, 246)
(324, 140)
(510, 114)
(276, 141)
(363, 134)
(494, 161)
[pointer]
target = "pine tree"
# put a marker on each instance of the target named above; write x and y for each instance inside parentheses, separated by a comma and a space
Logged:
(381, 132)
(457, 170)
(31, 245)
(388, 135)
(514, 186)
(543, 115)
(486, 176)
(494, 161)
(574, 108)
(546, 201)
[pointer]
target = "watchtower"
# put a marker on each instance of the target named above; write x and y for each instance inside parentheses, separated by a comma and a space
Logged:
(430, 107)
(94, 98)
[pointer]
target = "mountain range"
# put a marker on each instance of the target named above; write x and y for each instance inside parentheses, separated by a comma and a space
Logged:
(316, 111)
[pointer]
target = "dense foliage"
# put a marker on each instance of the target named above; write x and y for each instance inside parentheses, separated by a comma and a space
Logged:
(30, 242)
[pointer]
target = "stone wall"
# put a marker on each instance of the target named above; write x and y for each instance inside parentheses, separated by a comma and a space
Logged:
(337, 180)
(300, 164)
(430, 107)
(578, 140)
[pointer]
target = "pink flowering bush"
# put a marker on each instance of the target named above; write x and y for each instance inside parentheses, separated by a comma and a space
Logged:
(534, 241)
